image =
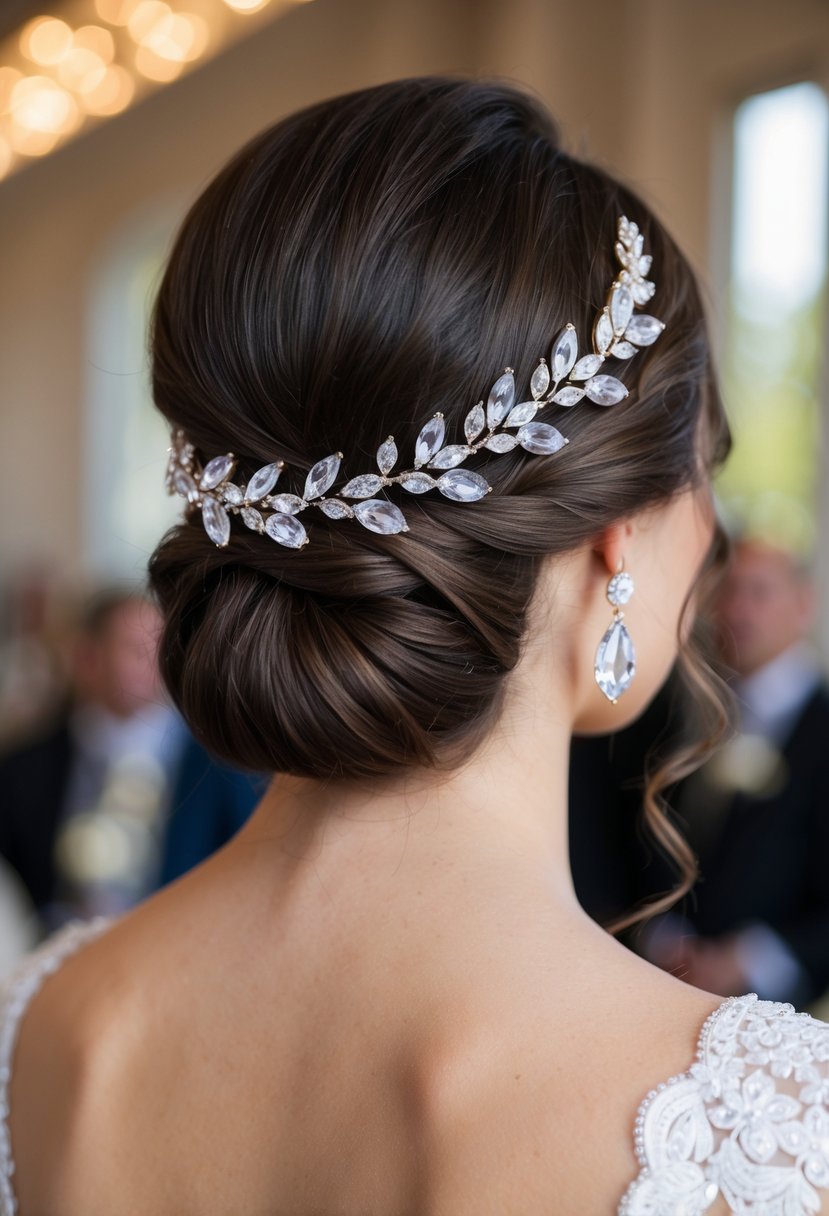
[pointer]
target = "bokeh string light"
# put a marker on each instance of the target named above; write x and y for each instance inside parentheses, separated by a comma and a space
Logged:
(92, 58)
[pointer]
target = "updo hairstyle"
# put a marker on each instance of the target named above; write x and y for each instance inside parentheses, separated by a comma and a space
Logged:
(357, 267)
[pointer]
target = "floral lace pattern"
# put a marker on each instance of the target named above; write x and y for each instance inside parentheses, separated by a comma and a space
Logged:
(748, 1121)
(16, 992)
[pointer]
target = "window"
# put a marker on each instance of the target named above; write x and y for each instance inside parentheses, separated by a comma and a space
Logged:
(127, 507)
(773, 358)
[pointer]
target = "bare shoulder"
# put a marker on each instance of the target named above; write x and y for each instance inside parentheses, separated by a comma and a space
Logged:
(64, 1040)
(544, 1111)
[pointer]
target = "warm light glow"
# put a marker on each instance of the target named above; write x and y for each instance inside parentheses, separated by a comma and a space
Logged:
(246, 6)
(39, 104)
(113, 93)
(81, 70)
(87, 72)
(154, 67)
(148, 14)
(46, 40)
(95, 38)
(8, 79)
(179, 36)
(32, 143)
(116, 12)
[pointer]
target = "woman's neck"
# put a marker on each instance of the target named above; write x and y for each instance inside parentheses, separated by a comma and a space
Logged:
(506, 806)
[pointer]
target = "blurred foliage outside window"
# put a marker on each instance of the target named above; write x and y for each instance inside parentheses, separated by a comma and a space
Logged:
(773, 359)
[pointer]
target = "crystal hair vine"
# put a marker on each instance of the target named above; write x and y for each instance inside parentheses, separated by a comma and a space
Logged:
(617, 333)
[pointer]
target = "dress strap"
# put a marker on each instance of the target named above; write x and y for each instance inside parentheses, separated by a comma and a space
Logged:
(16, 993)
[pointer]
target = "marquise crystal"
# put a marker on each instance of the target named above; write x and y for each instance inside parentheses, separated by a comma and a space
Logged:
(216, 470)
(262, 482)
(429, 440)
(378, 515)
(615, 664)
(462, 485)
(287, 530)
(500, 399)
(363, 486)
(216, 521)
(565, 353)
(322, 476)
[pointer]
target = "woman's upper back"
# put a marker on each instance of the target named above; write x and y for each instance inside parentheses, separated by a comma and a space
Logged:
(189, 1071)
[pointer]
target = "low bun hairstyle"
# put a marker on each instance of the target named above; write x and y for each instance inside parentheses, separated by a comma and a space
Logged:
(357, 267)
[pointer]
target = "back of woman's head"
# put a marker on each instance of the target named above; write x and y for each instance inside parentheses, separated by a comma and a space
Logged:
(356, 268)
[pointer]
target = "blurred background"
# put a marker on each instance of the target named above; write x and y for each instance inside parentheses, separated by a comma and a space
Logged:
(113, 116)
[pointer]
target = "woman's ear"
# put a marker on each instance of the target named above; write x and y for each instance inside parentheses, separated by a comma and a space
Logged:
(612, 545)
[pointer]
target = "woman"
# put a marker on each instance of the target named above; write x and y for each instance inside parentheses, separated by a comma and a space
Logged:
(382, 996)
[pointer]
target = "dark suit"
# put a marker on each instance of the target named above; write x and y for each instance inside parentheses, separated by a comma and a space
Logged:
(766, 858)
(209, 802)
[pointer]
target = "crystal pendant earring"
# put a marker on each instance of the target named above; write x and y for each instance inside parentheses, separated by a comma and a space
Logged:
(615, 664)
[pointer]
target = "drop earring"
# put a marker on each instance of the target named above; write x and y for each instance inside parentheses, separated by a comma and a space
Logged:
(615, 664)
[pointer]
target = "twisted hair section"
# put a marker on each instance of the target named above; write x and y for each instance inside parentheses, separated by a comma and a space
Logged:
(359, 266)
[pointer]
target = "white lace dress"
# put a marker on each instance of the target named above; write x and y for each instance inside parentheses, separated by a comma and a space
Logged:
(748, 1121)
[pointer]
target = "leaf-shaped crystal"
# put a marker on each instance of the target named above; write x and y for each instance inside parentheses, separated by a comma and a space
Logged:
(541, 438)
(564, 354)
(334, 509)
(622, 350)
(588, 365)
(525, 411)
(233, 494)
(185, 485)
(615, 663)
(429, 440)
(216, 470)
(501, 397)
(363, 486)
(474, 421)
(642, 290)
(252, 518)
(462, 485)
(322, 476)
(378, 515)
(621, 308)
(448, 457)
(286, 530)
(216, 521)
(644, 330)
(603, 333)
(500, 442)
(418, 483)
(287, 504)
(540, 380)
(569, 395)
(387, 455)
(605, 390)
(262, 482)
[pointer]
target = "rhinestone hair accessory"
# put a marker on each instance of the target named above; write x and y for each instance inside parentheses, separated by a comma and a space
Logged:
(617, 334)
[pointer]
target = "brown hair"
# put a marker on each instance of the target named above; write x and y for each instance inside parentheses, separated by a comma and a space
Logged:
(358, 266)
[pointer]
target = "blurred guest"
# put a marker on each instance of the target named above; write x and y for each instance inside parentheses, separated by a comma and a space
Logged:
(32, 674)
(757, 815)
(116, 797)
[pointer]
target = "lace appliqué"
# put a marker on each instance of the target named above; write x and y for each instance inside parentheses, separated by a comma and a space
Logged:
(16, 992)
(748, 1120)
